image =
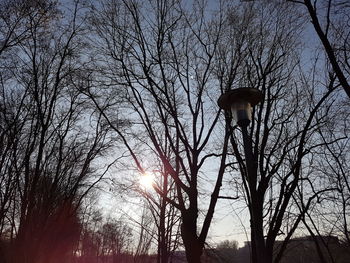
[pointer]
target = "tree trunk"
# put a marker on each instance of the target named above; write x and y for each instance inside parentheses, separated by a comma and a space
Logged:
(261, 253)
(193, 247)
(162, 245)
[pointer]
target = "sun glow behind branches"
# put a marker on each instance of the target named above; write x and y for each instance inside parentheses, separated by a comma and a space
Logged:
(147, 180)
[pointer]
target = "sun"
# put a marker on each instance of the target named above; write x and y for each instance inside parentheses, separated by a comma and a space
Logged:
(147, 180)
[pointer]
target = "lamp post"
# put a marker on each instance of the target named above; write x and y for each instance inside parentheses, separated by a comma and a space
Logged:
(240, 101)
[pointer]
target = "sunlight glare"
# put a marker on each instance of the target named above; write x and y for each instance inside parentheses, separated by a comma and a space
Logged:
(147, 180)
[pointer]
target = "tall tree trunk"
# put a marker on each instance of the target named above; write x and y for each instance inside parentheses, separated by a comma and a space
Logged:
(162, 249)
(260, 252)
(193, 247)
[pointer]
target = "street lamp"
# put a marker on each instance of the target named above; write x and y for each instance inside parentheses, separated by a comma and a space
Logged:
(240, 101)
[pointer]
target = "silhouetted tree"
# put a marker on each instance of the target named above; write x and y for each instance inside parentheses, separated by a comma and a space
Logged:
(50, 136)
(330, 20)
(283, 133)
(161, 60)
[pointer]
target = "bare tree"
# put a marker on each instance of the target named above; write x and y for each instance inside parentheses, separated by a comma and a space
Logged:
(13, 18)
(165, 216)
(160, 56)
(51, 137)
(144, 237)
(330, 20)
(116, 240)
(283, 134)
(328, 219)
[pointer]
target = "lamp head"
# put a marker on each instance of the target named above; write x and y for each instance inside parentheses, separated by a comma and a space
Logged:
(240, 101)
